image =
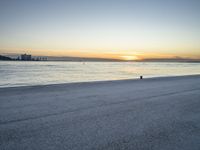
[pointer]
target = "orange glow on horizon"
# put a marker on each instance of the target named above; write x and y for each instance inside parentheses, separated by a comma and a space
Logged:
(129, 57)
(120, 55)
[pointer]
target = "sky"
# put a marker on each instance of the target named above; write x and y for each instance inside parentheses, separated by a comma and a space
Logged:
(127, 29)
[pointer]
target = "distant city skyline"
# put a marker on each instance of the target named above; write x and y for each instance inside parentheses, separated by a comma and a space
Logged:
(116, 29)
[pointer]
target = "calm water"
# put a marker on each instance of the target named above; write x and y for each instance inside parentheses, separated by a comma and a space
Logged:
(13, 73)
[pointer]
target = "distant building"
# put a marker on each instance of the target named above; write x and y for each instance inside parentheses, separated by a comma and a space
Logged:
(26, 57)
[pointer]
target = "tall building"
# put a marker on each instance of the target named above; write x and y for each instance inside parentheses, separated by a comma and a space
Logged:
(25, 57)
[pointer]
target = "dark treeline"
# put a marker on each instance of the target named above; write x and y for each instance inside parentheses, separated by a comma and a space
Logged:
(5, 58)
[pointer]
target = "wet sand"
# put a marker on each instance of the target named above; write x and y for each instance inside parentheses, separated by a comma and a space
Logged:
(157, 113)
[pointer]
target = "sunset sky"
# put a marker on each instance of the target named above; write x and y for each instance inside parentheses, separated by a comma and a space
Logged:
(124, 29)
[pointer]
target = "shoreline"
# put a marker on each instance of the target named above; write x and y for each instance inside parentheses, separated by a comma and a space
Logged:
(102, 81)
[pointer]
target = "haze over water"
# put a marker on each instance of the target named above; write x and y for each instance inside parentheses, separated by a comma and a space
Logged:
(42, 73)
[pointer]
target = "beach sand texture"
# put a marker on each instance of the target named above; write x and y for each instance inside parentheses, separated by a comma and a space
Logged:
(157, 113)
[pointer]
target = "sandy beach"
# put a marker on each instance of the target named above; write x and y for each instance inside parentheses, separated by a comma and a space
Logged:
(155, 113)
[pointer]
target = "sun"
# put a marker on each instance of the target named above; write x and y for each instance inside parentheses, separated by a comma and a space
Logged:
(129, 57)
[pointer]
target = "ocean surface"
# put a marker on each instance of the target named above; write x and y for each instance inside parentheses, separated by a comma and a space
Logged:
(18, 73)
